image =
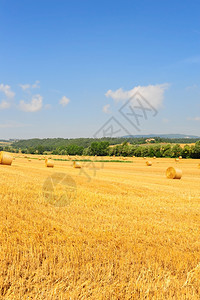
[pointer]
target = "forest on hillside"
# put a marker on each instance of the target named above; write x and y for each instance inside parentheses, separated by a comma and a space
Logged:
(139, 147)
(51, 144)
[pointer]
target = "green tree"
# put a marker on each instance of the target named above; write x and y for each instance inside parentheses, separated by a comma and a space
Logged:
(125, 149)
(176, 150)
(151, 151)
(40, 149)
(186, 151)
(195, 151)
(166, 151)
(31, 150)
(7, 149)
(138, 151)
(99, 148)
(74, 150)
(144, 151)
(157, 150)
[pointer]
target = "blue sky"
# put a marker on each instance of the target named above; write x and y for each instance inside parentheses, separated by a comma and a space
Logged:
(67, 67)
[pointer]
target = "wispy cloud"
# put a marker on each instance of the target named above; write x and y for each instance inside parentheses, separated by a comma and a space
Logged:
(106, 109)
(197, 119)
(6, 89)
(192, 60)
(152, 93)
(64, 101)
(13, 125)
(28, 86)
(33, 106)
(55, 91)
(4, 105)
(48, 106)
(165, 120)
(192, 87)
(8, 95)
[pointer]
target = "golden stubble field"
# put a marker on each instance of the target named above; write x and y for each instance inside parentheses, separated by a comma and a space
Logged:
(129, 233)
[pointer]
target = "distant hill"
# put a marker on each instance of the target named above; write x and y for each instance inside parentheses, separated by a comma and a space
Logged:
(165, 136)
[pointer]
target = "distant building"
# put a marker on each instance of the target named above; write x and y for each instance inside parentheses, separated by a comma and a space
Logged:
(150, 140)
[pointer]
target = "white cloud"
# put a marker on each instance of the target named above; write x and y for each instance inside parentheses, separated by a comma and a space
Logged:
(25, 86)
(106, 109)
(33, 106)
(152, 93)
(6, 89)
(4, 105)
(64, 101)
(28, 86)
(8, 94)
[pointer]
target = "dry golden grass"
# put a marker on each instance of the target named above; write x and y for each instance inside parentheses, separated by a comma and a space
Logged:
(183, 145)
(130, 233)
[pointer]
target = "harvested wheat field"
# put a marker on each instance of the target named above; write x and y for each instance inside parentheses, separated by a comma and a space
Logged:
(124, 232)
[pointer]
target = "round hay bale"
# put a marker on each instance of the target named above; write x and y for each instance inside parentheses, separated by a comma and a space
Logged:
(39, 158)
(180, 157)
(29, 159)
(6, 158)
(144, 157)
(49, 163)
(154, 157)
(173, 173)
(176, 159)
(76, 165)
(148, 163)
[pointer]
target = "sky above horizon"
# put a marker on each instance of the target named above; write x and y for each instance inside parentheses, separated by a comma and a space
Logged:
(99, 68)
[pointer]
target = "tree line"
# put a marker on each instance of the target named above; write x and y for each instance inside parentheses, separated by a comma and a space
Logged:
(103, 148)
(51, 144)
